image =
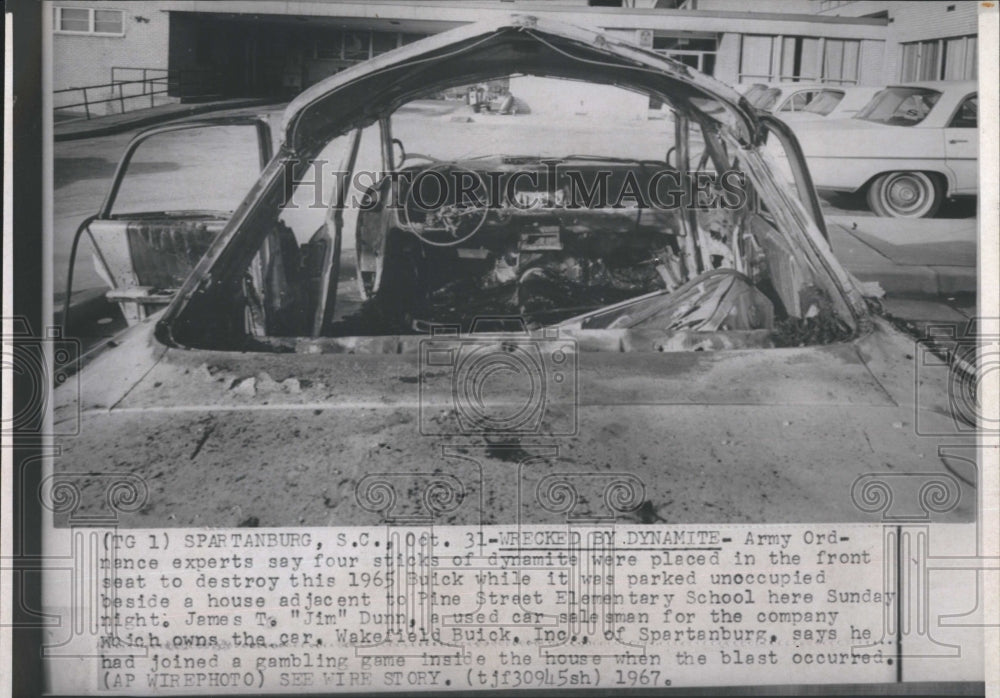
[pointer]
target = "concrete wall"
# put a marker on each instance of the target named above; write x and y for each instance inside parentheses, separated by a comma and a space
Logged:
(727, 59)
(932, 20)
(79, 60)
(871, 64)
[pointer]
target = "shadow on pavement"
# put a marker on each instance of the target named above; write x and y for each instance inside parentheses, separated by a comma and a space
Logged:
(68, 170)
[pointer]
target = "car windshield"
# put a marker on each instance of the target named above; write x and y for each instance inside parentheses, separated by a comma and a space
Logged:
(900, 106)
(766, 99)
(557, 203)
(825, 102)
(754, 92)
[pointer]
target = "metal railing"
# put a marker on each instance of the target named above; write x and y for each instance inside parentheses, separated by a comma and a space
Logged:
(142, 92)
(142, 74)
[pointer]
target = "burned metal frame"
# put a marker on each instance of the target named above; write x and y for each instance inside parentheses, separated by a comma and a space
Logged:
(265, 151)
(366, 94)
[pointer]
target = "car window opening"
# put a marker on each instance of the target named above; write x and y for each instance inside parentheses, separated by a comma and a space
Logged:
(825, 102)
(550, 221)
(900, 106)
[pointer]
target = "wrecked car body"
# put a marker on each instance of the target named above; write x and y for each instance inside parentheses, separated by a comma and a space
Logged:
(678, 312)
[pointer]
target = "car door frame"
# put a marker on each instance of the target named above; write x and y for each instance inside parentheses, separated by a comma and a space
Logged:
(966, 178)
(264, 146)
(134, 300)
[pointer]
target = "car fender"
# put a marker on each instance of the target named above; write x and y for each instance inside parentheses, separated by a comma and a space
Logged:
(836, 174)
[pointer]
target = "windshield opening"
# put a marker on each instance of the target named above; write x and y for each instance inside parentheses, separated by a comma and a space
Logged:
(900, 106)
(766, 99)
(825, 102)
(754, 92)
(559, 203)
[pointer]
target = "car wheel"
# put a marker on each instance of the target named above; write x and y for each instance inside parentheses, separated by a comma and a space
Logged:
(905, 195)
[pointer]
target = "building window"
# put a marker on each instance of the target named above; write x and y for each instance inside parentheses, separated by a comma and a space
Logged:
(799, 59)
(383, 42)
(109, 22)
(354, 46)
(330, 46)
(357, 45)
(698, 53)
(840, 61)
(940, 59)
(86, 20)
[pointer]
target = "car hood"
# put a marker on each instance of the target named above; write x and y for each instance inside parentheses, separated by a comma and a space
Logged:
(217, 438)
(517, 43)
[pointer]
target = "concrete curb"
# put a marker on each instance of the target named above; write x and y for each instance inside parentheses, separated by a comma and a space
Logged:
(94, 127)
(868, 263)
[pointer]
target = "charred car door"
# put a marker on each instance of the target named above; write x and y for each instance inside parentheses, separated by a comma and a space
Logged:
(173, 192)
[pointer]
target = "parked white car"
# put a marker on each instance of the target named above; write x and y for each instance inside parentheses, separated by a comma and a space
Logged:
(832, 103)
(911, 147)
(808, 100)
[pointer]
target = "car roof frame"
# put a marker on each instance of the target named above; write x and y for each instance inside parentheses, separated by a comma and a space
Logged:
(516, 43)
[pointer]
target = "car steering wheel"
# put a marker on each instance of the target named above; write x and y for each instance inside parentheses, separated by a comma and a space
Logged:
(450, 223)
(404, 156)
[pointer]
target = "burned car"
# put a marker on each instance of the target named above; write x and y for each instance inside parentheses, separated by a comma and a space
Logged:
(411, 295)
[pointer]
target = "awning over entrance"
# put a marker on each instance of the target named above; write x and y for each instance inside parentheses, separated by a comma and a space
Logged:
(266, 54)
